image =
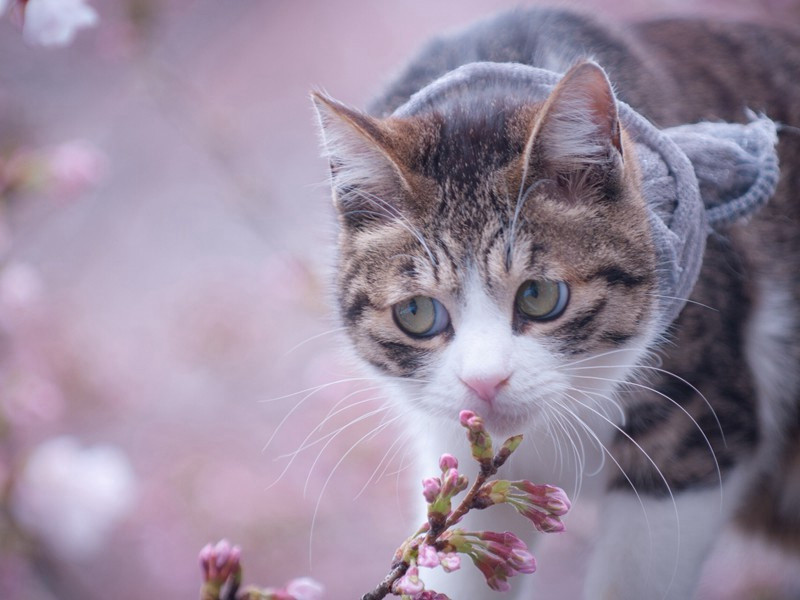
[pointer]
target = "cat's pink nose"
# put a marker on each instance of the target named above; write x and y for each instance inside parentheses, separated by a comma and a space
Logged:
(487, 387)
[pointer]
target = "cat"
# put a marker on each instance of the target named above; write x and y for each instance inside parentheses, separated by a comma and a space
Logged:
(496, 253)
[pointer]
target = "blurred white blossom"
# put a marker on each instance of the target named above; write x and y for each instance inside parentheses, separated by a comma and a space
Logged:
(72, 496)
(3, 6)
(55, 22)
(20, 287)
(305, 588)
(75, 166)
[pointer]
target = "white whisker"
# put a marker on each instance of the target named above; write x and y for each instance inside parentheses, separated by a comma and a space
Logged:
(364, 437)
(687, 300)
(312, 338)
(661, 476)
(677, 404)
(330, 440)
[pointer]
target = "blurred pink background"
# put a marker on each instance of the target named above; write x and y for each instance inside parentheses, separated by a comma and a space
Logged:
(165, 238)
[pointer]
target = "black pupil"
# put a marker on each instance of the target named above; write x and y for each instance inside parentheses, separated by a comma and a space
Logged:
(412, 307)
(532, 291)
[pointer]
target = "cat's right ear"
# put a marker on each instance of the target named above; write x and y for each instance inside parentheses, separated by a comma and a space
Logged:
(367, 174)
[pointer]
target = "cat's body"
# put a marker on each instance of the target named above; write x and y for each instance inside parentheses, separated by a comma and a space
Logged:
(427, 205)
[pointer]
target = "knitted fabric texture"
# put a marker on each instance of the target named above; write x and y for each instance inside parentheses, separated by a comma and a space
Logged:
(694, 177)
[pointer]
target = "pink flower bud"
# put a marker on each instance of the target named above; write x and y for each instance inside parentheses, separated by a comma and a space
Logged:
(479, 439)
(557, 501)
(427, 557)
(448, 461)
(465, 416)
(222, 551)
(206, 558)
(505, 538)
(522, 560)
(219, 562)
(431, 486)
(450, 480)
(548, 497)
(75, 167)
(450, 561)
(544, 522)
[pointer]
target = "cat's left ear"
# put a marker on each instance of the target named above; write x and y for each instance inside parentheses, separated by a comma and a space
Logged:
(578, 126)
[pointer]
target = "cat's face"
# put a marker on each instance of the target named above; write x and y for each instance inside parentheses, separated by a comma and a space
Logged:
(495, 254)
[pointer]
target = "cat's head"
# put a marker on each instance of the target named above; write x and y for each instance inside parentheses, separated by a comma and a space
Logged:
(494, 250)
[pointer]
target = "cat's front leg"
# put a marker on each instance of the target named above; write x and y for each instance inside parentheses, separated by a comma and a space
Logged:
(655, 546)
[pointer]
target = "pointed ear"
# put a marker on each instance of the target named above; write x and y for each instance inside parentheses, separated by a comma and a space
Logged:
(367, 174)
(578, 126)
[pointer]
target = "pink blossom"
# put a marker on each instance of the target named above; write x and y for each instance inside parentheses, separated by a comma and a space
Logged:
(427, 557)
(305, 588)
(55, 22)
(409, 583)
(450, 561)
(75, 166)
(20, 286)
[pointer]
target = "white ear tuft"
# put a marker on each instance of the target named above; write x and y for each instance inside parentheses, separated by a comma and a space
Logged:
(578, 125)
(360, 153)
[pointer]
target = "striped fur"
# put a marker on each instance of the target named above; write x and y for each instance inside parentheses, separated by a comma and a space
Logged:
(484, 189)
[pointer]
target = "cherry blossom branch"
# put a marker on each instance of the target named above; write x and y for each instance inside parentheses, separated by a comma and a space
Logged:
(497, 555)
(437, 543)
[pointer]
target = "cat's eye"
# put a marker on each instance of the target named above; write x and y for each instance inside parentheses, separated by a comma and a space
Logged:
(542, 299)
(421, 316)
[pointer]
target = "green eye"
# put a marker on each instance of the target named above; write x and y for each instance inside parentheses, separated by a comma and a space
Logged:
(421, 316)
(541, 299)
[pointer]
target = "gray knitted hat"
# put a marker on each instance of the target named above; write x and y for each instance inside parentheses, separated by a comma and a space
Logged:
(695, 177)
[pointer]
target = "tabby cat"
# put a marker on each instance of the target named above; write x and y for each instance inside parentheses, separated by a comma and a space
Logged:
(497, 254)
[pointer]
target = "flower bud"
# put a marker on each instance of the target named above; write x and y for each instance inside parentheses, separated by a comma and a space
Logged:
(450, 480)
(431, 486)
(479, 439)
(494, 492)
(548, 497)
(522, 561)
(448, 461)
(206, 558)
(465, 416)
(542, 521)
(507, 449)
(222, 552)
